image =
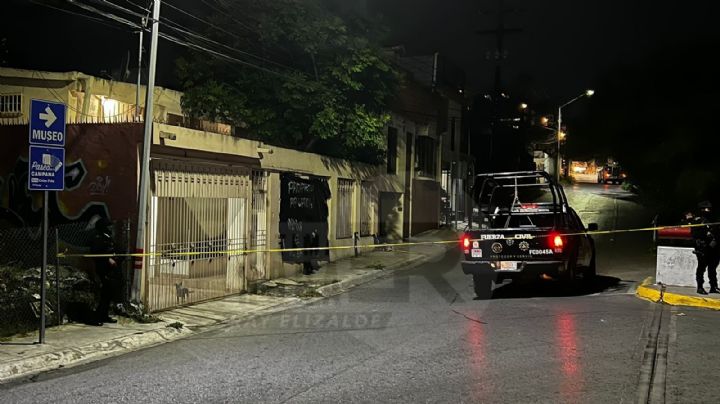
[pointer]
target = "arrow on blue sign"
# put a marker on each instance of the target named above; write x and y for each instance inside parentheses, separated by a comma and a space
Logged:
(49, 116)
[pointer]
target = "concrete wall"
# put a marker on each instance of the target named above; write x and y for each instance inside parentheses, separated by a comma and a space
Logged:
(276, 160)
(676, 266)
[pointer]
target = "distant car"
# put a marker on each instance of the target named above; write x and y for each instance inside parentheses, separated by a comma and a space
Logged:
(611, 174)
(527, 231)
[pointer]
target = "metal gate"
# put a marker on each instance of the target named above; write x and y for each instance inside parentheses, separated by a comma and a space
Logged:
(198, 228)
(257, 262)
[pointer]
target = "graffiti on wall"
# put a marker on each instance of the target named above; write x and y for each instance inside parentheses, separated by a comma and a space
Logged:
(100, 176)
(22, 208)
(303, 215)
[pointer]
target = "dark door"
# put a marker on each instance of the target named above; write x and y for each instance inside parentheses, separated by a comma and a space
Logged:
(389, 211)
(408, 181)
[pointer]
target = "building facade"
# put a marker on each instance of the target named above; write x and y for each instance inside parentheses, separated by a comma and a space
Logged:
(217, 201)
(88, 99)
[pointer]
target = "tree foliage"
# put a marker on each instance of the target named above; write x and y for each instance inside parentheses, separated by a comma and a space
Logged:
(320, 80)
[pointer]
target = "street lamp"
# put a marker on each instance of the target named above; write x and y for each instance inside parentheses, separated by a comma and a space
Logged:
(560, 134)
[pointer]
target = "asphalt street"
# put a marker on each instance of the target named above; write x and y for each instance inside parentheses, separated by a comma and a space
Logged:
(419, 336)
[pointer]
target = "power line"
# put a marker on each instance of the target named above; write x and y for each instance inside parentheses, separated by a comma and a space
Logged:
(228, 13)
(220, 29)
(176, 27)
(220, 55)
(120, 8)
(179, 10)
(107, 15)
(146, 10)
(242, 24)
(97, 20)
(179, 41)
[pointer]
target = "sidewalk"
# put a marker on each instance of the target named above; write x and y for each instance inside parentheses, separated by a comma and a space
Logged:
(336, 277)
(677, 295)
(74, 344)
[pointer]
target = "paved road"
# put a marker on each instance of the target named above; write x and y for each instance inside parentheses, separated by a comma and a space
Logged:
(629, 256)
(420, 337)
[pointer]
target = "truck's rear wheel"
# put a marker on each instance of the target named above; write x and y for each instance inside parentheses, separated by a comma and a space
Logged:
(483, 286)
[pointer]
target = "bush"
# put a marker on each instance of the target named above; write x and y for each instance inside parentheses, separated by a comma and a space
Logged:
(20, 297)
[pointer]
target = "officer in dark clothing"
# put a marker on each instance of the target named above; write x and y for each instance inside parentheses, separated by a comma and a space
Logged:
(307, 254)
(105, 268)
(707, 248)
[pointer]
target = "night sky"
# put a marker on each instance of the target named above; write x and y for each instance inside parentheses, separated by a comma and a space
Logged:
(565, 45)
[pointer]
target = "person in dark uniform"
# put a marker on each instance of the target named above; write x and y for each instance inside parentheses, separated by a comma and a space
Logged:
(105, 268)
(688, 218)
(307, 254)
(707, 249)
(315, 237)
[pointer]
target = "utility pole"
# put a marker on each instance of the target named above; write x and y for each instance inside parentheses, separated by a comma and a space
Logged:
(139, 73)
(558, 161)
(500, 32)
(145, 162)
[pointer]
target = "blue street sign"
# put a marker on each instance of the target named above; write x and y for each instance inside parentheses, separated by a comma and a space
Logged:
(46, 169)
(47, 123)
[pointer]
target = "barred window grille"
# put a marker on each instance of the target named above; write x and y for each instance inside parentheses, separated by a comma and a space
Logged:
(258, 226)
(343, 228)
(366, 210)
(425, 157)
(392, 149)
(10, 104)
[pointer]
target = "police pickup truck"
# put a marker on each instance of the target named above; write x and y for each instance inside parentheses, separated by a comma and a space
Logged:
(524, 230)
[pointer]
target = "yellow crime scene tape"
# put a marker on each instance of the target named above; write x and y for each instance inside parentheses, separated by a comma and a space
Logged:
(366, 246)
(254, 251)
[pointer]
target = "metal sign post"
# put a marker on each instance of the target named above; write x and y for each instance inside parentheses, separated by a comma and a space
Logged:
(46, 172)
(43, 271)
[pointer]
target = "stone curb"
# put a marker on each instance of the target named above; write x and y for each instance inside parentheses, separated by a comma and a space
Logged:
(87, 353)
(117, 346)
(650, 292)
(342, 286)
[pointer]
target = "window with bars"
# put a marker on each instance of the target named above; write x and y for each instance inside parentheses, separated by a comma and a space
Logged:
(392, 146)
(425, 157)
(343, 225)
(10, 104)
(452, 134)
(366, 209)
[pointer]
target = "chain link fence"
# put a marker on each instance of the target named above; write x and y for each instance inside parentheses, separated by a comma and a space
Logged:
(72, 288)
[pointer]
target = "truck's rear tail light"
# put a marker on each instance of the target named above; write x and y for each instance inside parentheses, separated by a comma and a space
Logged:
(557, 242)
(466, 244)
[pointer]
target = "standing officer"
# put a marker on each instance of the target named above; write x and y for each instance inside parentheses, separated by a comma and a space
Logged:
(707, 249)
(105, 268)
